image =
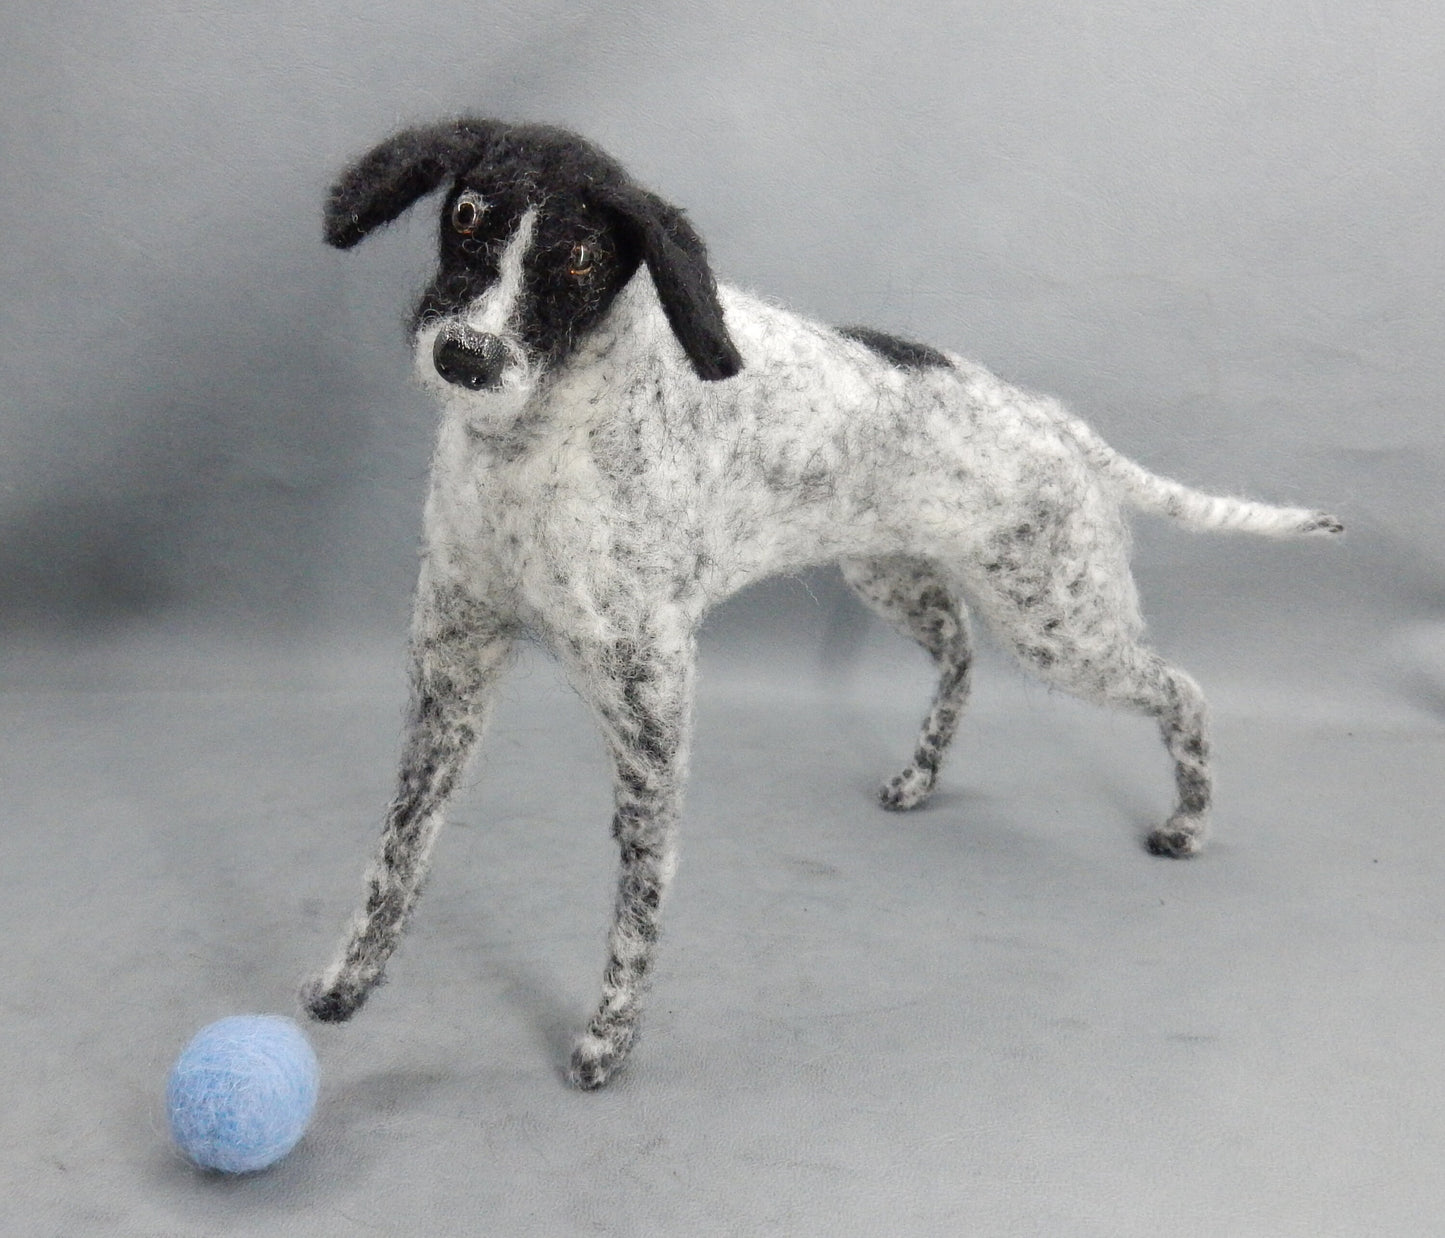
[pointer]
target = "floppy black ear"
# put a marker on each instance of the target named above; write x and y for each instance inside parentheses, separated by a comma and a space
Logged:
(387, 180)
(677, 261)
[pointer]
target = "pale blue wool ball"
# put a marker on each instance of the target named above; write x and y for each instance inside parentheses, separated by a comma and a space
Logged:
(242, 1092)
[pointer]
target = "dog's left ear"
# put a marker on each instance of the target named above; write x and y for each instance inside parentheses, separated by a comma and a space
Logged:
(677, 261)
(389, 178)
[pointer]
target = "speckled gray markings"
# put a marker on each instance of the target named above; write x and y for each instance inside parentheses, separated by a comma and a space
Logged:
(619, 451)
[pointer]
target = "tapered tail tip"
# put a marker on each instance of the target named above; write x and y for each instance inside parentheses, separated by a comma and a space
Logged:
(1323, 524)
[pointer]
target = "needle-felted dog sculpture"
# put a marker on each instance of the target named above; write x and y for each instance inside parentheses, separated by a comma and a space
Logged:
(624, 442)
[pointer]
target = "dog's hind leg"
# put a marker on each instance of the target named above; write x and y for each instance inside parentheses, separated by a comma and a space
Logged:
(1183, 721)
(1146, 683)
(641, 689)
(458, 649)
(1088, 640)
(916, 598)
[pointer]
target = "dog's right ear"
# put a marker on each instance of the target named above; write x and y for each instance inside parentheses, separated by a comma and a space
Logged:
(384, 182)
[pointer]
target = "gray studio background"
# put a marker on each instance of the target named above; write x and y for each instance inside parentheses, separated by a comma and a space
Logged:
(1213, 229)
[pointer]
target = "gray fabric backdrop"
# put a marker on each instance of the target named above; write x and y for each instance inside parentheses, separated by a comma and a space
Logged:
(1213, 229)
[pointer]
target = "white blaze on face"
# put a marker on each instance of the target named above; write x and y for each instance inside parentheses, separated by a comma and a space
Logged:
(497, 307)
(493, 313)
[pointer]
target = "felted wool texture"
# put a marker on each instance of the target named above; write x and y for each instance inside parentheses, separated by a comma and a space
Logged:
(617, 452)
(242, 1093)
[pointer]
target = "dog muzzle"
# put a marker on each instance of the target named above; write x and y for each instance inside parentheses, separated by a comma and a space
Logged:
(468, 358)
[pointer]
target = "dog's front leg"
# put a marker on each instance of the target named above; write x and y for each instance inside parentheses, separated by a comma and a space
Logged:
(458, 649)
(641, 688)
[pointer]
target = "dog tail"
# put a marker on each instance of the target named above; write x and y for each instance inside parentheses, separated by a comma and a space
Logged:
(1193, 508)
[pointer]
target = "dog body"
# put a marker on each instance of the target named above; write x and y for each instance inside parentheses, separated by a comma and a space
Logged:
(618, 453)
(630, 477)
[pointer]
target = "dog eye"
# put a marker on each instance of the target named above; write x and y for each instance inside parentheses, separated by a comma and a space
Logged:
(467, 212)
(581, 261)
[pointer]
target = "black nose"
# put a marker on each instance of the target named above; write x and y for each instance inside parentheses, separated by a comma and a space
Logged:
(468, 358)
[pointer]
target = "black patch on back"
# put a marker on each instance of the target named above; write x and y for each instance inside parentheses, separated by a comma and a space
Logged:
(905, 354)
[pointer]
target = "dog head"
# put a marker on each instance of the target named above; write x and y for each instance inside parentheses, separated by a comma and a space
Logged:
(540, 230)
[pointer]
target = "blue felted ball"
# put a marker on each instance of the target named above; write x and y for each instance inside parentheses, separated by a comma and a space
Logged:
(242, 1092)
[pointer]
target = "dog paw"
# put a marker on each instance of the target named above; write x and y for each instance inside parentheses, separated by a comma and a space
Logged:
(906, 790)
(596, 1058)
(1177, 839)
(331, 1003)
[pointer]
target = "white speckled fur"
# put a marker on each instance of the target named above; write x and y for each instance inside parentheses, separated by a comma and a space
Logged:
(819, 450)
(602, 507)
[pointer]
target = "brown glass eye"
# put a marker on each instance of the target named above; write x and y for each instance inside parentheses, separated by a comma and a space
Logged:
(581, 261)
(467, 212)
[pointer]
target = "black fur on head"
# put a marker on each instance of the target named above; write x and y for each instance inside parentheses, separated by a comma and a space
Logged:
(594, 226)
